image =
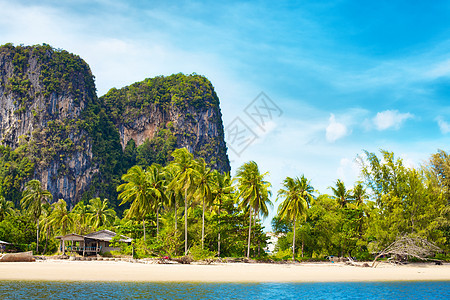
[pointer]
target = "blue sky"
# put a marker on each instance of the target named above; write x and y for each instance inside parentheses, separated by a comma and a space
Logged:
(347, 75)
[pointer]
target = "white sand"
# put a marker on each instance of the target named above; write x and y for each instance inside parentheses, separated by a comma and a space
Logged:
(234, 272)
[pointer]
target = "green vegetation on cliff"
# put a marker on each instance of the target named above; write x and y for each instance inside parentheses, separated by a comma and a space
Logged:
(67, 132)
(183, 91)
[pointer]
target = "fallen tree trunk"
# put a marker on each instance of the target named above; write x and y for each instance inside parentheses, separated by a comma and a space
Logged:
(406, 246)
(18, 257)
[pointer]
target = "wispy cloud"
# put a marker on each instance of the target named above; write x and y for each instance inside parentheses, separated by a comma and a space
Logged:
(335, 130)
(443, 125)
(390, 119)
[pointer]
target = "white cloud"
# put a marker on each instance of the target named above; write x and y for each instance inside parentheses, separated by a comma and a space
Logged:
(443, 126)
(335, 130)
(390, 119)
(348, 170)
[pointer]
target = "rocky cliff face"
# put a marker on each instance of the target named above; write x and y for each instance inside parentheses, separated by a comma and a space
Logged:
(187, 104)
(50, 112)
(42, 95)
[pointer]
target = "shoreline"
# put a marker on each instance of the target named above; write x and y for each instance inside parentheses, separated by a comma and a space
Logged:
(109, 271)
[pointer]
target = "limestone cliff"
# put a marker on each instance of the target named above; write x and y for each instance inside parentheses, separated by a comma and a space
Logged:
(42, 95)
(187, 104)
(54, 128)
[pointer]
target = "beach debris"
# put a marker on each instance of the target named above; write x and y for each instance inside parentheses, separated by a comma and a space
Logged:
(408, 246)
(18, 257)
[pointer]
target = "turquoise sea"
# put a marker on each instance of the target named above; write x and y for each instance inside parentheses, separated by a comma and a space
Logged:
(129, 290)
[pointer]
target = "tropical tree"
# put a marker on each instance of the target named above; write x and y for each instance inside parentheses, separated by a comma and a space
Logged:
(184, 181)
(6, 208)
(253, 193)
(80, 217)
(156, 189)
(99, 213)
(45, 222)
(223, 191)
(173, 196)
(341, 194)
(205, 183)
(358, 196)
(33, 197)
(298, 195)
(60, 218)
(135, 190)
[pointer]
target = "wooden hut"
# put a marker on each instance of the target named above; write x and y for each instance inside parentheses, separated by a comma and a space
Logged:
(92, 243)
(3, 246)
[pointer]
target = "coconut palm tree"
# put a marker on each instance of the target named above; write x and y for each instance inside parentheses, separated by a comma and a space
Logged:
(135, 190)
(60, 218)
(184, 182)
(156, 189)
(33, 197)
(253, 193)
(205, 182)
(99, 213)
(298, 195)
(81, 214)
(358, 196)
(223, 191)
(341, 194)
(173, 196)
(6, 208)
(45, 222)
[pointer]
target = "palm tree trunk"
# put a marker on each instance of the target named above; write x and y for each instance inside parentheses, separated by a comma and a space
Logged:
(37, 237)
(46, 240)
(175, 218)
(203, 223)
(293, 241)
(185, 222)
(143, 225)
(249, 234)
(218, 237)
(157, 222)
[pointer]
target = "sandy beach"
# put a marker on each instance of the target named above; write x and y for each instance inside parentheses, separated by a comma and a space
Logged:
(61, 270)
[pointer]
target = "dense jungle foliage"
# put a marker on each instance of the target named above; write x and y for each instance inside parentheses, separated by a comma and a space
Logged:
(221, 216)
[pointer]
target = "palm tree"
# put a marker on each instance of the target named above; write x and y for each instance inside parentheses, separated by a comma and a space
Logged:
(99, 213)
(135, 190)
(184, 181)
(341, 194)
(81, 214)
(254, 193)
(32, 199)
(156, 189)
(223, 190)
(46, 212)
(170, 171)
(298, 195)
(205, 183)
(358, 196)
(60, 218)
(6, 208)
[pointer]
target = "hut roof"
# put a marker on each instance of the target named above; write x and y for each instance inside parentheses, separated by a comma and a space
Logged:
(102, 235)
(4, 243)
(71, 237)
(107, 235)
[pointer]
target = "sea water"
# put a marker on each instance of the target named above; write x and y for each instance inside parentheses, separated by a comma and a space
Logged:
(133, 290)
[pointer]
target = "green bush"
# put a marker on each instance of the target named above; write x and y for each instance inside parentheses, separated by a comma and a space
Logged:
(200, 254)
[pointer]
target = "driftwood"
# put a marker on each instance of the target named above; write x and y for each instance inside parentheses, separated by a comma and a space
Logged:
(18, 257)
(409, 247)
(185, 260)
